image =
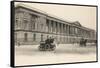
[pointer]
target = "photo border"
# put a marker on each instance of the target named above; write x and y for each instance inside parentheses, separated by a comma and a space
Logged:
(12, 44)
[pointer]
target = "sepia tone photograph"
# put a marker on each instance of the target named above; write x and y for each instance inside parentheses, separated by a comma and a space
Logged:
(54, 33)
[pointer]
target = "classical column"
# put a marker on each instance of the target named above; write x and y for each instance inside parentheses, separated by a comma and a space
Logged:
(73, 30)
(80, 30)
(86, 34)
(68, 27)
(36, 24)
(54, 26)
(61, 28)
(64, 29)
(58, 28)
(49, 25)
(90, 35)
(69, 30)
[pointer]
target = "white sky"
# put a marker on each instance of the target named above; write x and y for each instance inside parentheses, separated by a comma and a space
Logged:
(85, 15)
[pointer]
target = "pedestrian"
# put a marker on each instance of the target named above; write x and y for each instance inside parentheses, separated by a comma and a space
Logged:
(85, 41)
(18, 44)
(81, 41)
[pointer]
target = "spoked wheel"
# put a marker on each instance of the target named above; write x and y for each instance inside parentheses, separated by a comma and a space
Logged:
(47, 47)
(41, 48)
(53, 48)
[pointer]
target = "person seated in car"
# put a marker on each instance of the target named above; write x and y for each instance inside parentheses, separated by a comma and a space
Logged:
(47, 41)
(52, 42)
(51, 39)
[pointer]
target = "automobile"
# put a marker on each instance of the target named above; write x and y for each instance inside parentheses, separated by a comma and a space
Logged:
(46, 47)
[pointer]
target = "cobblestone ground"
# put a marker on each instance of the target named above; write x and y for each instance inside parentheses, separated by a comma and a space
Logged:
(64, 53)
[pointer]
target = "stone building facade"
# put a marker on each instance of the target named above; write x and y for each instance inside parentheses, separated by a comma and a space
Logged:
(33, 26)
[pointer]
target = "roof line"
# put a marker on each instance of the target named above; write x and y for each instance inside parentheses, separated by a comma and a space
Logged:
(46, 14)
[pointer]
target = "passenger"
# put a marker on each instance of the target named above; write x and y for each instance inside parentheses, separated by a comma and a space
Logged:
(51, 39)
(51, 42)
(47, 41)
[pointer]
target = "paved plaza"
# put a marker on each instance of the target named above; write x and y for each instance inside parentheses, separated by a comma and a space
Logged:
(64, 53)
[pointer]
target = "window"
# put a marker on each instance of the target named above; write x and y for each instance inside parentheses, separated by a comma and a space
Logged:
(70, 30)
(33, 21)
(56, 27)
(25, 23)
(33, 25)
(34, 37)
(15, 37)
(25, 36)
(17, 21)
(52, 30)
(47, 21)
(76, 31)
(67, 29)
(47, 24)
(47, 36)
(41, 37)
(41, 26)
(60, 27)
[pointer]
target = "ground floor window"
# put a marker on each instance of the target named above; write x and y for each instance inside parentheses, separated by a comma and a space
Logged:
(41, 37)
(15, 37)
(34, 37)
(47, 36)
(25, 36)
